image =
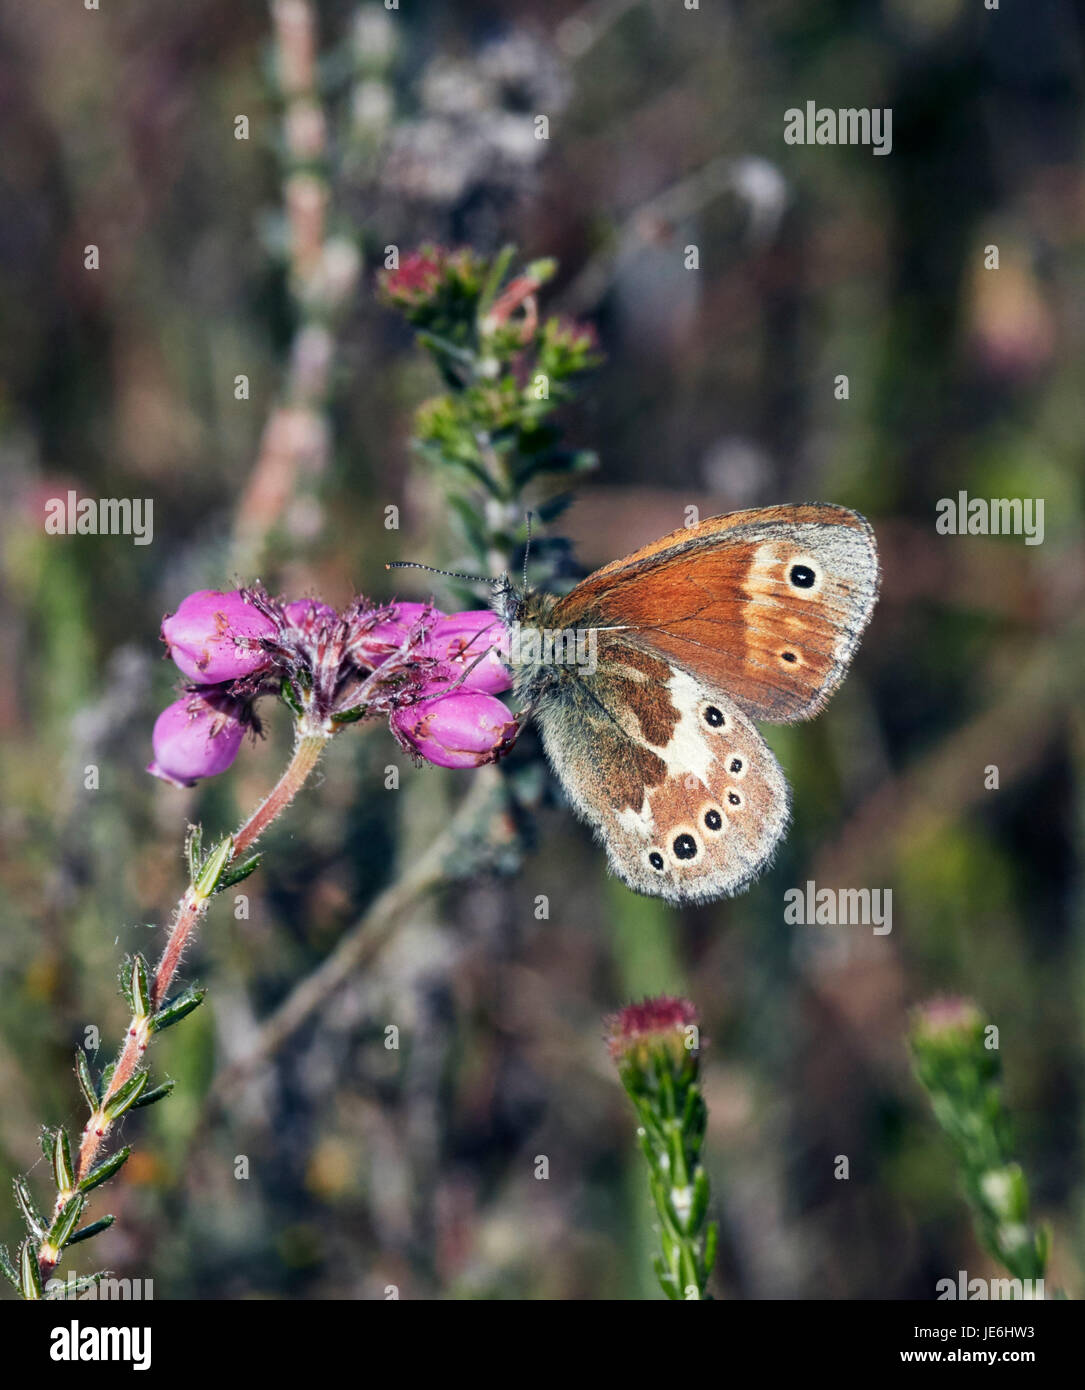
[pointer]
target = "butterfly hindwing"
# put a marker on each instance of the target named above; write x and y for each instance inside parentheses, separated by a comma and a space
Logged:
(677, 782)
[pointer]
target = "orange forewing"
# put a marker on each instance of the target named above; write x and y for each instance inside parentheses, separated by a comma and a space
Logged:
(717, 600)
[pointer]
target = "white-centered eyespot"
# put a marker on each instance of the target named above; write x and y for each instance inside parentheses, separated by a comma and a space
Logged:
(804, 576)
(735, 764)
(713, 716)
(685, 846)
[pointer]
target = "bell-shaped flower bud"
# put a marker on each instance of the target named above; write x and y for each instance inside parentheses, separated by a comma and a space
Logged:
(475, 645)
(197, 736)
(464, 729)
(309, 613)
(215, 637)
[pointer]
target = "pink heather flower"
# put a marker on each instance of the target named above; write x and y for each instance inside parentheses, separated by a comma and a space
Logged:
(389, 635)
(571, 333)
(947, 1014)
(196, 736)
(464, 729)
(309, 613)
(461, 638)
(214, 637)
(418, 275)
(661, 1021)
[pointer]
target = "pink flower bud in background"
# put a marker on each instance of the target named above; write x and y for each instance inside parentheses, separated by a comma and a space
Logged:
(659, 1022)
(196, 736)
(465, 729)
(208, 635)
(461, 638)
(418, 275)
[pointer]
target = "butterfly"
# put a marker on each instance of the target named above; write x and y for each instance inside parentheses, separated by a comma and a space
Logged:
(646, 679)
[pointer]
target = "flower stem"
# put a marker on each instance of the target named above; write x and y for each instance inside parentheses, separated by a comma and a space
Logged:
(191, 908)
(306, 756)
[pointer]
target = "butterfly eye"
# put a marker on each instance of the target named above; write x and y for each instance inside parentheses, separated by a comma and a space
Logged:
(656, 860)
(713, 819)
(714, 717)
(788, 656)
(685, 847)
(802, 576)
(736, 767)
(734, 799)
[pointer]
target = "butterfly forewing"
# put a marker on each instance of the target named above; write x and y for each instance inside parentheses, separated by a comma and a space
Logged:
(767, 605)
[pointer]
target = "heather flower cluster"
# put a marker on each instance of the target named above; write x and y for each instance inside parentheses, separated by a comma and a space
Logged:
(655, 1045)
(955, 1055)
(435, 677)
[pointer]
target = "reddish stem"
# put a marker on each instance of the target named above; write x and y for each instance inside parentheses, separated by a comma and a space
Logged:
(189, 911)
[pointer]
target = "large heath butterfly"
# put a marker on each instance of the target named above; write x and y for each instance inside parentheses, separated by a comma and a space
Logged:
(645, 681)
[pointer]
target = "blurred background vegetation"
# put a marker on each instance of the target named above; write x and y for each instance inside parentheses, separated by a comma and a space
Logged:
(222, 257)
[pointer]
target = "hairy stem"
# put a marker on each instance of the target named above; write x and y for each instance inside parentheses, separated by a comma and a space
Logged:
(191, 908)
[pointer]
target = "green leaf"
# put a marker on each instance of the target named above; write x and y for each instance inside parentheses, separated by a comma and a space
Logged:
(66, 1222)
(711, 1244)
(349, 716)
(1043, 1245)
(124, 1098)
(194, 850)
(206, 882)
(553, 507)
(290, 698)
(542, 270)
(63, 1173)
(473, 528)
(47, 1140)
(124, 979)
(103, 1084)
(235, 875)
(670, 1288)
(93, 1229)
(177, 1008)
(86, 1081)
(558, 461)
(689, 1271)
(494, 277)
(33, 1218)
(30, 1274)
(153, 1096)
(141, 987)
(699, 1204)
(442, 347)
(7, 1268)
(105, 1169)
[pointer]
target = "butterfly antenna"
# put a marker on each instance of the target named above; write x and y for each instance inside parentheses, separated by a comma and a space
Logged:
(449, 574)
(527, 548)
